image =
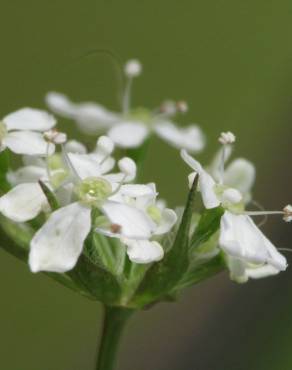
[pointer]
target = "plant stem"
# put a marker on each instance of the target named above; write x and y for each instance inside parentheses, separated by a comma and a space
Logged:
(115, 319)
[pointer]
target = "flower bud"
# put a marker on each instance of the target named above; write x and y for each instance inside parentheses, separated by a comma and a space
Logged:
(226, 138)
(55, 137)
(105, 145)
(128, 167)
(133, 68)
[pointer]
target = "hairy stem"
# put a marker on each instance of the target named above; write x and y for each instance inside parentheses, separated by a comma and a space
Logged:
(115, 319)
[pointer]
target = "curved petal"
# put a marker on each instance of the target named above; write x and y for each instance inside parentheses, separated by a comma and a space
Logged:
(207, 188)
(23, 203)
(240, 174)
(133, 223)
(169, 218)
(128, 134)
(137, 190)
(190, 137)
(144, 251)
(28, 142)
(206, 181)
(260, 272)
(195, 165)
(58, 244)
(241, 238)
(29, 119)
(27, 174)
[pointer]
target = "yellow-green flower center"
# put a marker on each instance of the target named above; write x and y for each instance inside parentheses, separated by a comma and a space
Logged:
(155, 213)
(93, 190)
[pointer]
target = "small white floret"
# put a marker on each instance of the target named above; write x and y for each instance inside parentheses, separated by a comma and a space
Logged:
(133, 68)
(227, 138)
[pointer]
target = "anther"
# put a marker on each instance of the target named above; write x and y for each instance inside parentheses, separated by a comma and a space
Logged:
(226, 138)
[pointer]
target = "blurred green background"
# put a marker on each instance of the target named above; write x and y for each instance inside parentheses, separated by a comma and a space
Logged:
(232, 61)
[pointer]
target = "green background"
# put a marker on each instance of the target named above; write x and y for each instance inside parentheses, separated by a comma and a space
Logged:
(232, 61)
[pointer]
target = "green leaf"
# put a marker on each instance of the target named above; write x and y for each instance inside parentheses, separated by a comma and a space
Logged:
(4, 168)
(52, 200)
(201, 272)
(164, 275)
(209, 223)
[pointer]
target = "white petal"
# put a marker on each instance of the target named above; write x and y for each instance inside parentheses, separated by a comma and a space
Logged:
(28, 142)
(128, 134)
(84, 165)
(207, 188)
(144, 251)
(23, 203)
(137, 190)
(241, 238)
(60, 104)
(261, 272)
(237, 269)
(169, 218)
(74, 146)
(215, 167)
(240, 174)
(29, 119)
(206, 182)
(195, 165)
(190, 137)
(58, 244)
(105, 165)
(27, 174)
(134, 223)
(92, 118)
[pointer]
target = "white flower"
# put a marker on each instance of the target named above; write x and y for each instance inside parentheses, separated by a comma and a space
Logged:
(142, 220)
(21, 132)
(130, 128)
(247, 249)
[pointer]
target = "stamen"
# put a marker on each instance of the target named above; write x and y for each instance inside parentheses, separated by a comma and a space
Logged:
(225, 138)
(133, 68)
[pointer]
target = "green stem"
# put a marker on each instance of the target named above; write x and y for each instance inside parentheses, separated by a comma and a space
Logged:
(115, 319)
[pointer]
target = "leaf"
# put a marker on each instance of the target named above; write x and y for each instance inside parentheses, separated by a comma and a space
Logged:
(209, 223)
(164, 275)
(52, 200)
(4, 168)
(201, 272)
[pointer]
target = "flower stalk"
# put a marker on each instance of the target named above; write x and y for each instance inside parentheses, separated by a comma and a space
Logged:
(114, 322)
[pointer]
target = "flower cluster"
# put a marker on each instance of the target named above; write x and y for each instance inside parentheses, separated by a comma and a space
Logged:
(87, 219)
